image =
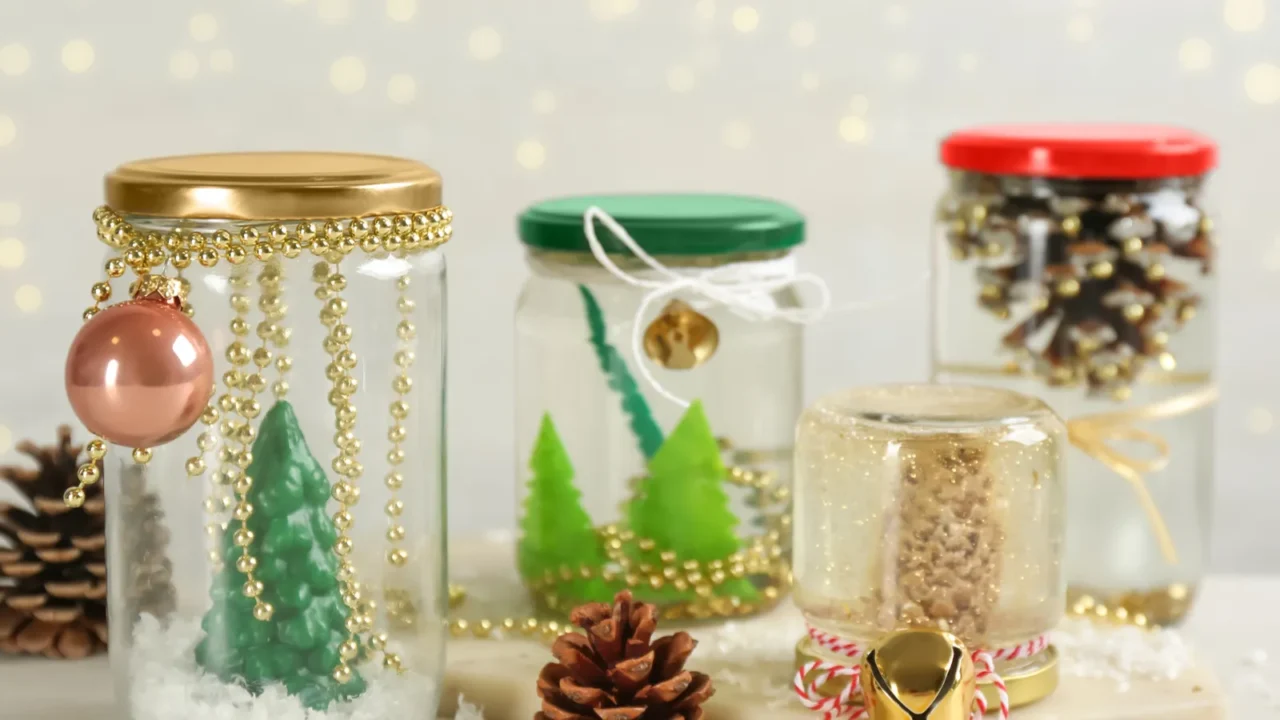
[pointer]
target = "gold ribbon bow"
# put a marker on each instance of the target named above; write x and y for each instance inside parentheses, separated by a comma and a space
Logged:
(1095, 434)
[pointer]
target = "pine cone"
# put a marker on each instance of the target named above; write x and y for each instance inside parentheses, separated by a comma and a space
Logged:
(53, 572)
(1084, 279)
(144, 543)
(613, 672)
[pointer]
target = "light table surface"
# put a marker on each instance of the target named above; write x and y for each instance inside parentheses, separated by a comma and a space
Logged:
(1235, 629)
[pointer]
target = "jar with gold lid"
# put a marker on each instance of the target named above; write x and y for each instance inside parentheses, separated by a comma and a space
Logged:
(270, 380)
(932, 507)
(658, 353)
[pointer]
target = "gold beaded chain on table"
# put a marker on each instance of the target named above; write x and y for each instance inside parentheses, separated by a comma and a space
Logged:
(331, 241)
(763, 558)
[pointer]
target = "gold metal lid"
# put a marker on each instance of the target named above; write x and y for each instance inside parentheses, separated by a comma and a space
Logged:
(272, 186)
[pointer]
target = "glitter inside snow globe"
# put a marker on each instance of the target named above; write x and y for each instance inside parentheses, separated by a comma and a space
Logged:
(932, 507)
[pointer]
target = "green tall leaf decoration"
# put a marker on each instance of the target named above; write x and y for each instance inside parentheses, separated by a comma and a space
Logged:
(293, 543)
(556, 530)
(682, 505)
(643, 426)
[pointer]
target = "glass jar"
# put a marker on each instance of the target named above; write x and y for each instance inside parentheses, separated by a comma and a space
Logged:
(1075, 263)
(932, 506)
(282, 556)
(658, 384)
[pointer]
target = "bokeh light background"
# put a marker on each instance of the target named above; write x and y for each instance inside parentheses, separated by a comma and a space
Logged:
(833, 105)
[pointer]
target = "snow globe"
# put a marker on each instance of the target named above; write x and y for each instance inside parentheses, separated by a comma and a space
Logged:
(931, 507)
(272, 551)
(658, 353)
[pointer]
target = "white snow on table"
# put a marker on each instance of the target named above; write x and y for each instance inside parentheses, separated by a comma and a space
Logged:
(1121, 653)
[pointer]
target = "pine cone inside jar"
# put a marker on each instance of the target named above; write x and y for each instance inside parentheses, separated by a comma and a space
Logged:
(614, 672)
(1095, 277)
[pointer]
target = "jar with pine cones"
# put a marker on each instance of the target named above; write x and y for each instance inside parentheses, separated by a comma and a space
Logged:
(930, 507)
(658, 352)
(1075, 263)
(262, 366)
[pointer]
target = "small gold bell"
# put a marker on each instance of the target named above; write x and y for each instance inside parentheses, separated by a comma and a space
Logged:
(681, 338)
(918, 675)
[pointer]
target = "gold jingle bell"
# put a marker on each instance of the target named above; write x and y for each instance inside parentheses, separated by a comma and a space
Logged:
(918, 675)
(681, 338)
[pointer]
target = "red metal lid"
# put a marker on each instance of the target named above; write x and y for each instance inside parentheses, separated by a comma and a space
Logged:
(1080, 151)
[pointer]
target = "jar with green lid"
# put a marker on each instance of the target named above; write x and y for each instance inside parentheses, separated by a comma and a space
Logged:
(658, 352)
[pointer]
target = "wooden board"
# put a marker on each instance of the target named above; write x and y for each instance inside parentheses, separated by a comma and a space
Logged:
(499, 676)
(751, 663)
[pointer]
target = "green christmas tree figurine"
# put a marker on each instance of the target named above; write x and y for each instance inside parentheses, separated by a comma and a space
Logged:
(293, 543)
(555, 530)
(682, 505)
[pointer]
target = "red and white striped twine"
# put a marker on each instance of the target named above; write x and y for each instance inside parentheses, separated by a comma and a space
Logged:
(847, 703)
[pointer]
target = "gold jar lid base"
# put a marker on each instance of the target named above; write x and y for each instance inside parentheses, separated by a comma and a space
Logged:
(1035, 681)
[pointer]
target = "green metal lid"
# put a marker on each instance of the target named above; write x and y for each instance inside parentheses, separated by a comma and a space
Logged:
(691, 224)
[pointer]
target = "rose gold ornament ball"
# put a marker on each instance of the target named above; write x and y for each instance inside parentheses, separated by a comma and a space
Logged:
(139, 373)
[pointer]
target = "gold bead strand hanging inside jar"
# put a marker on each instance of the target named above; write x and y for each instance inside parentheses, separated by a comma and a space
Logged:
(400, 607)
(219, 418)
(401, 383)
(346, 491)
(273, 328)
(240, 434)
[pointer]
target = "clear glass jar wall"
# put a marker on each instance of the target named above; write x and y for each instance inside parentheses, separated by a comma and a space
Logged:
(577, 388)
(1096, 295)
(619, 486)
(930, 506)
(325, 444)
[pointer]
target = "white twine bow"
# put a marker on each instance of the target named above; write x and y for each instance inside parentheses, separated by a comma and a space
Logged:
(744, 288)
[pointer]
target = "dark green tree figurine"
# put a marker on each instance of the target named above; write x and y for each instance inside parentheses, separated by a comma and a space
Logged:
(645, 429)
(293, 543)
(682, 505)
(556, 530)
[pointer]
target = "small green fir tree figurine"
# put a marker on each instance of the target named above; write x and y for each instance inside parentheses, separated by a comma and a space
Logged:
(682, 505)
(555, 530)
(293, 543)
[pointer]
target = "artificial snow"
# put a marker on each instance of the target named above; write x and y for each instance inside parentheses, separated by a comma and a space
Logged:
(166, 683)
(1121, 652)
(467, 711)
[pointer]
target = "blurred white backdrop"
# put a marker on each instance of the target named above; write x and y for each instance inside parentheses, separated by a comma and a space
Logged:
(832, 105)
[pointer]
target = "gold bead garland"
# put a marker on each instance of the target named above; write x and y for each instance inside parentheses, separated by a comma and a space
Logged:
(764, 557)
(1158, 607)
(407, 234)
(232, 415)
(240, 434)
(88, 472)
(1088, 609)
(139, 250)
(346, 491)
(401, 384)
(273, 328)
